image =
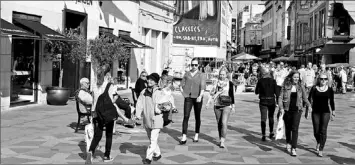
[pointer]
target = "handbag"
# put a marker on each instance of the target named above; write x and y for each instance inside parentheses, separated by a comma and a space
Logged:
(224, 100)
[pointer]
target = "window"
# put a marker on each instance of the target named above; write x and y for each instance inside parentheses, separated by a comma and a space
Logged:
(316, 22)
(321, 23)
(311, 28)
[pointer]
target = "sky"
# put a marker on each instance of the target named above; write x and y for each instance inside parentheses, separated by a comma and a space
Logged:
(237, 4)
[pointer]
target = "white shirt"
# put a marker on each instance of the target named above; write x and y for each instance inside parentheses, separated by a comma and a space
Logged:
(344, 77)
(301, 72)
(308, 77)
(280, 76)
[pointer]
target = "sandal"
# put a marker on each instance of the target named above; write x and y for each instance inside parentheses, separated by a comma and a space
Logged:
(175, 111)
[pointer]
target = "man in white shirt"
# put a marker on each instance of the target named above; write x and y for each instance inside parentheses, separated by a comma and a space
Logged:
(344, 79)
(279, 75)
(308, 78)
(301, 70)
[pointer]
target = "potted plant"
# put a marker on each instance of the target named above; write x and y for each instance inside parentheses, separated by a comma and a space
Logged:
(56, 50)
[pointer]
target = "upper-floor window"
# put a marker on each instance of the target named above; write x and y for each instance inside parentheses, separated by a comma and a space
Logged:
(322, 19)
(311, 28)
(341, 26)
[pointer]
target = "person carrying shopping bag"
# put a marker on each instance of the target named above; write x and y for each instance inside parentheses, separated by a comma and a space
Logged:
(153, 120)
(222, 95)
(292, 99)
(104, 114)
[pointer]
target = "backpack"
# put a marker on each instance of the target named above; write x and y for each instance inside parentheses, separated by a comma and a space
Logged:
(105, 109)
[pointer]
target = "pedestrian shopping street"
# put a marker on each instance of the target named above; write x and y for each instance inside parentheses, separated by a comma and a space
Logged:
(45, 134)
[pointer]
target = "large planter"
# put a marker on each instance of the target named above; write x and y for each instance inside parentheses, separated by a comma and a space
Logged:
(57, 95)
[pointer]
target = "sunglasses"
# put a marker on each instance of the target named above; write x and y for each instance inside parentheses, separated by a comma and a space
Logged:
(144, 75)
(323, 78)
(194, 64)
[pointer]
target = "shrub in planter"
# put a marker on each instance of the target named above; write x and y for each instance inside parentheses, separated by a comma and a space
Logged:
(56, 50)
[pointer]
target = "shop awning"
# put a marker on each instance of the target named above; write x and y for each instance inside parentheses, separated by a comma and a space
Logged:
(8, 28)
(332, 49)
(265, 56)
(43, 30)
(134, 43)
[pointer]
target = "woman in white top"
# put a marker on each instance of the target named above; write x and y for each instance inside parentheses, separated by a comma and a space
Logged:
(222, 88)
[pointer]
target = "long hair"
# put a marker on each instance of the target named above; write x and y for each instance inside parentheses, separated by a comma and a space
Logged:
(288, 80)
(101, 73)
(226, 70)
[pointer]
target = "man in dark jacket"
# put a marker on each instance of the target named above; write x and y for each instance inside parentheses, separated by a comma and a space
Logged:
(266, 88)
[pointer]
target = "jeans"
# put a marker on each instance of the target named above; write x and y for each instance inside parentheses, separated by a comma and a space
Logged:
(292, 122)
(278, 90)
(320, 124)
(267, 111)
(153, 149)
(222, 116)
(99, 126)
(124, 106)
(188, 103)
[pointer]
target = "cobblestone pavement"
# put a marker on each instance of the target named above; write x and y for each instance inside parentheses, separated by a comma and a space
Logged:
(45, 134)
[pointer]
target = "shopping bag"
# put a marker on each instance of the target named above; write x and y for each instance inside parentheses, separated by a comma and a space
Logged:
(89, 134)
(280, 131)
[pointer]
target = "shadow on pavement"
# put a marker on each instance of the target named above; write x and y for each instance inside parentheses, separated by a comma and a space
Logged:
(255, 138)
(341, 160)
(251, 101)
(136, 149)
(82, 146)
(175, 134)
(351, 146)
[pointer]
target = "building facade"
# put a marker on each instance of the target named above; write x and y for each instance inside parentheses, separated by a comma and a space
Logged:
(252, 37)
(249, 13)
(200, 35)
(25, 79)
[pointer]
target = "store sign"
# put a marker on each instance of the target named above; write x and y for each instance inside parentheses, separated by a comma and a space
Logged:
(191, 30)
(87, 2)
(234, 28)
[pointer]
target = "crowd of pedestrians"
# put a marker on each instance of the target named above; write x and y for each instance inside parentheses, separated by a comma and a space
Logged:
(290, 91)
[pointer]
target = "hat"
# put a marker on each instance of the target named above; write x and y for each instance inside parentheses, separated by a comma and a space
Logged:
(84, 80)
(154, 76)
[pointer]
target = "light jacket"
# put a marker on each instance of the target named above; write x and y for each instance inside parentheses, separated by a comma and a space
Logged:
(146, 104)
(285, 97)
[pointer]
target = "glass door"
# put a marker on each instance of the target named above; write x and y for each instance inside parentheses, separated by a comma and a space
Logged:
(24, 76)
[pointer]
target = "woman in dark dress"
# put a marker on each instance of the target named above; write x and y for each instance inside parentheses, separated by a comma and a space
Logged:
(321, 96)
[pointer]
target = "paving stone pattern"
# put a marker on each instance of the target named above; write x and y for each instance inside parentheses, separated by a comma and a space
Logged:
(45, 134)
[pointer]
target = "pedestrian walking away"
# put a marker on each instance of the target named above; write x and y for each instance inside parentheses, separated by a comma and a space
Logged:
(292, 102)
(152, 117)
(321, 96)
(268, 94)
(100, 119)
(222, 95)
(193, 85)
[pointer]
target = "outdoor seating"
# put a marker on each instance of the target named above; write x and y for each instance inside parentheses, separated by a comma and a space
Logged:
(80, 114)
(134, 96)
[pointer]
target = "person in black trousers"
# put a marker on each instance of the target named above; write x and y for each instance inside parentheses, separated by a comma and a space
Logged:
(266, 88)
(321, 96)
(141, 83)
(293, 101)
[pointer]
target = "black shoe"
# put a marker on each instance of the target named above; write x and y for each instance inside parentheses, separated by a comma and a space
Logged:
(263, 138)
(195, 141)
(156, 158)
(147, 161)
(107, 159)
(175, 111)
(183, 142)
(272, 136)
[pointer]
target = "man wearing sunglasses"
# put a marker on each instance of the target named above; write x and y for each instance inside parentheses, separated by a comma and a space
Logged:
(193, 85)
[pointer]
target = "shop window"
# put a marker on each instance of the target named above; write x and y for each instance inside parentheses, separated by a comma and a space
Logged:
(24, 65)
